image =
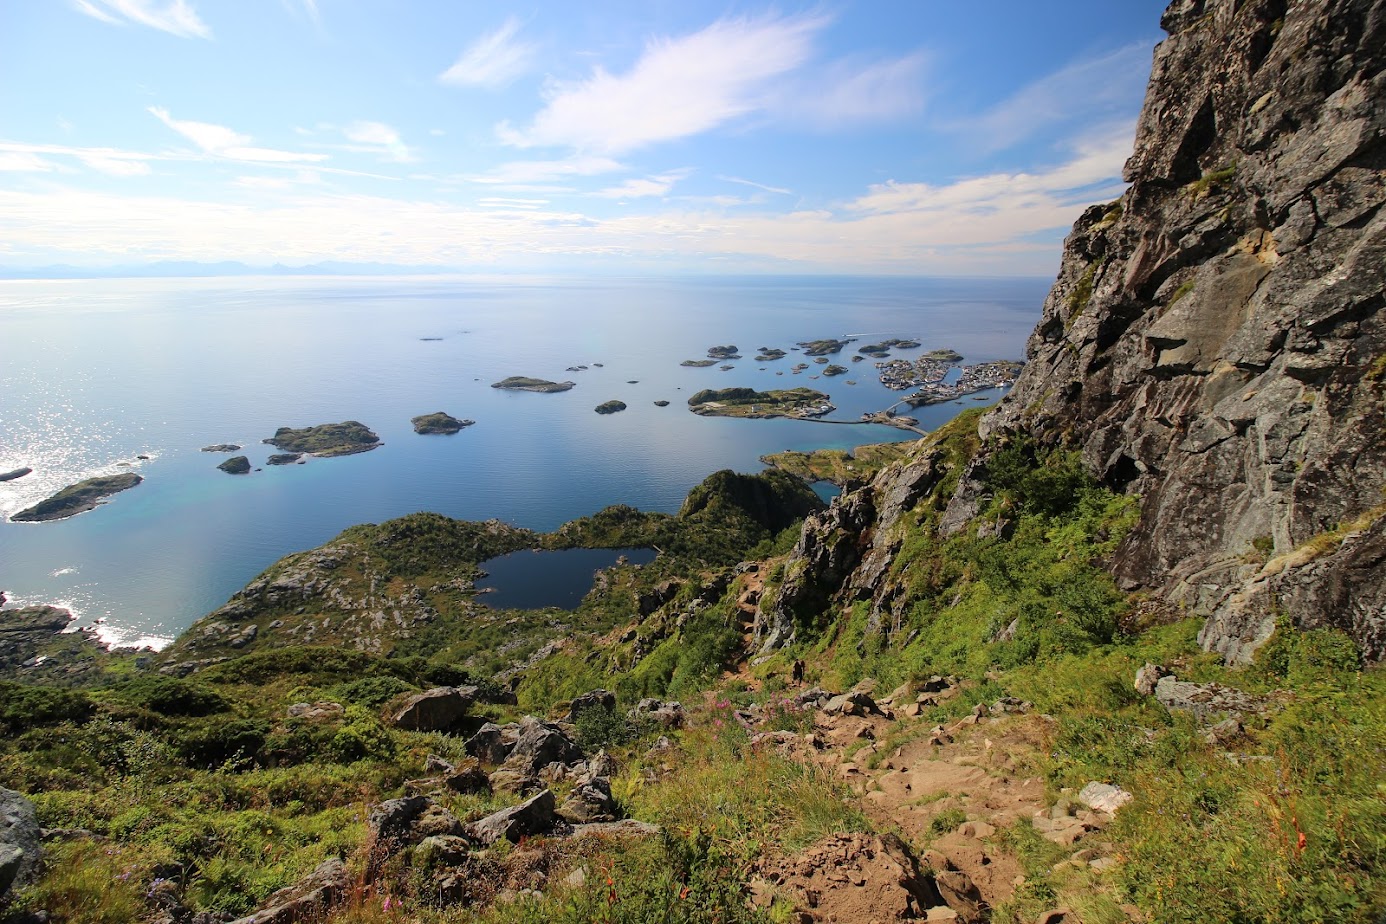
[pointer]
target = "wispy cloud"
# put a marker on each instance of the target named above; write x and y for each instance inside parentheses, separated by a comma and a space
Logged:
(379, 138)
(778, 190)
(493, 60)
(679, 87)
(111, 161)
(220, 141)
(852, 92)
(176, 17)
(644, 187)
(1086, 90)
(544, 171)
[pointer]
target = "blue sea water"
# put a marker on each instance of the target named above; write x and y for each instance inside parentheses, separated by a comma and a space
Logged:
(98, 372)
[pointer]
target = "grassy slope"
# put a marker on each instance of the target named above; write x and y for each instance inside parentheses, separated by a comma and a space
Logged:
(207, 781)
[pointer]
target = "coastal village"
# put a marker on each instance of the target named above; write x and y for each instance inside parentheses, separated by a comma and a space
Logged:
(929, 374)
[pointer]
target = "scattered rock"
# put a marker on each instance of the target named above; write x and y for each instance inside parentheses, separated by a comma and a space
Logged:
(533, 816)
(590, 801)
(490, 744)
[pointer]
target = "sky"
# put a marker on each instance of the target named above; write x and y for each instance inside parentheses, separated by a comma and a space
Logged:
(915, 137)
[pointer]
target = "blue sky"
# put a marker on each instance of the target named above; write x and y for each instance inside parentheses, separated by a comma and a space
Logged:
(889, 136)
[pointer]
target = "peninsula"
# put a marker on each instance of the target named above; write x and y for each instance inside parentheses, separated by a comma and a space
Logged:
(77, 498)
(326, 440)
(524, 383)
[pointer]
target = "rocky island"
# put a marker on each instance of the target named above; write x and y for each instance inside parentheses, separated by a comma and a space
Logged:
(610, 407)
(438, 422)
(747, 402)
(16, 473)
(769, 354)
(723, 352)
(698, 363)
(284, 458)
(824, 347)
(77, 498)
(222, 447)
(326, 440)
(236, 465)
(525, 383)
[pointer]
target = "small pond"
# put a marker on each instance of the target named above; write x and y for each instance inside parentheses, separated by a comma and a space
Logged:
(532, 580)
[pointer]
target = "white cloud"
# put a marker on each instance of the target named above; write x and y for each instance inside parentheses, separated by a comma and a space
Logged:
(176, 17)
(379, 138)
(110, 161)
(679, 87)
(24, 162)
(1083, 90)
(541, 171)
(220, 141)
(643, 187)
(493, 60)
(1007, 223)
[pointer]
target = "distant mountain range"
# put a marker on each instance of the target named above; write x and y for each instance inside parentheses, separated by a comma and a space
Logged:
(177, 268)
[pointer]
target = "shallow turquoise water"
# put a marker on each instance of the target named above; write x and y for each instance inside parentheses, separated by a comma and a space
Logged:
(96, 372)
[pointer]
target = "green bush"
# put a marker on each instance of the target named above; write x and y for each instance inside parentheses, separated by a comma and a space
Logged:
(23, 707)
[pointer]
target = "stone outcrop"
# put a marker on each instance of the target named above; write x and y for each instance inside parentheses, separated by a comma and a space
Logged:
(310, 900)
(438, 709)
(1214, 345)
(1214, 341)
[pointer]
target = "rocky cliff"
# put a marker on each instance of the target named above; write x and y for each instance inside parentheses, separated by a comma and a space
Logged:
(1214, 343)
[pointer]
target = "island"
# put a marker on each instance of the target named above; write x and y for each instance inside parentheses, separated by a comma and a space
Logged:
(610, 407)
(326, 440)
(17, 473)
(878, 350)
(661, 403)
(929, 375)
(77, 498)
(747, 402)
(236, 465)
(824, 347)
(943, 356)
(285, 458)
(698, 363)
(438, 422)
(835, 370)
(222, 447)
(724, 352)
(767, 354)
(525, 383)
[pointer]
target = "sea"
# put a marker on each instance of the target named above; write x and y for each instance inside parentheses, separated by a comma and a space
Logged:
(99, 376)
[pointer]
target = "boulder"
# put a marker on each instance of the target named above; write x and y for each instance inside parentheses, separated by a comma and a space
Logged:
(852, 703)
(316, 712)
(1206, 700)
(309, 900)
(434, 710)
(668, 715)
(20, 848)
(489, 745)
(603, 699)
(510, 779)
(1147, 677)
(533, 816)
(540, 744)
(1103, 797)
(399, 823)
(591, 801)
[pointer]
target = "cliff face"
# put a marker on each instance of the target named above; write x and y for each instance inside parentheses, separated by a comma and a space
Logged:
(1214, 343)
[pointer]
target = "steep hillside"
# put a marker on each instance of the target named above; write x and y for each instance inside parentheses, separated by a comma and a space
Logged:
(1215, 343)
